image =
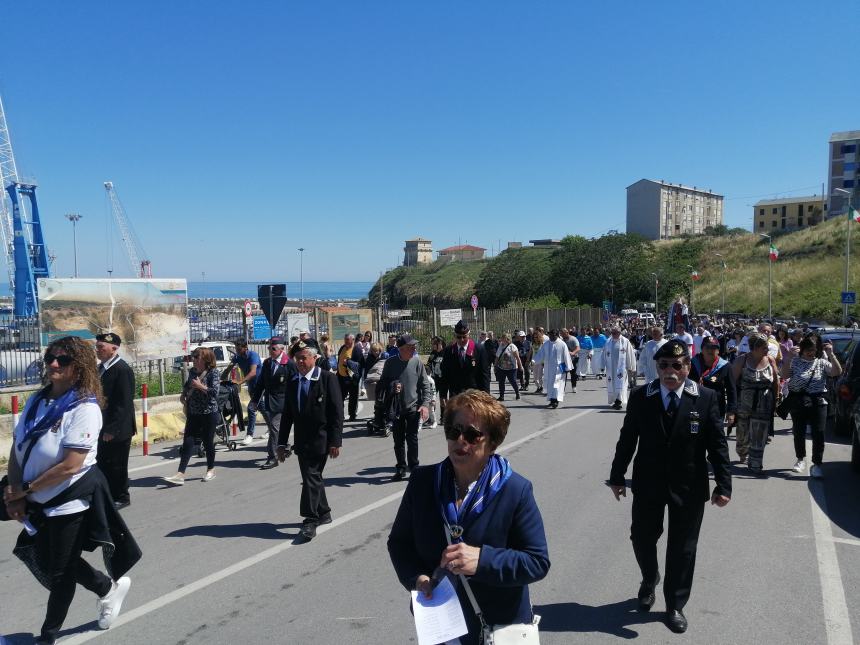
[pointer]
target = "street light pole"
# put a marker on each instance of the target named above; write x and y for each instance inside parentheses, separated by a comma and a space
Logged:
(692, 271)
(302, 275)
(74, 218)
(769, 279)
(656, 283)
(722, 282)
(847, 253)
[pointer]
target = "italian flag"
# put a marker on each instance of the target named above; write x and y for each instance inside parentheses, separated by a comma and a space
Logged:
(774, 252)
(695, 275)
(853, 212)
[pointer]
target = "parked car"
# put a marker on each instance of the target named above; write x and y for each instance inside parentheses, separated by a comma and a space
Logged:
(844, 391)
(224, 352)
(855, 440)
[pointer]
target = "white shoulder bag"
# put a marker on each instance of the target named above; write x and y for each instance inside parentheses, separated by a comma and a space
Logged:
(516, 634)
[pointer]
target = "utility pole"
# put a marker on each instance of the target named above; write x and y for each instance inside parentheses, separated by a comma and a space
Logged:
(656, 284)
(769, 279)
(692, 281)
(722, 282)
(302, 275)
(847, 253)
(74, 218)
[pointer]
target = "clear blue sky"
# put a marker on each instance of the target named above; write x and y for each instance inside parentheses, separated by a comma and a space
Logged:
(237, 132)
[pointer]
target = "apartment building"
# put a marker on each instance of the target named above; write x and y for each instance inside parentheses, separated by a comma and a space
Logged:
(790, 213)
(659, 210)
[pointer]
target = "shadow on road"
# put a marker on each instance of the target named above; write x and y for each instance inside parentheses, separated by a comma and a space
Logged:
(261, 530)
(363, 476)
(612, 619)
(838, 490)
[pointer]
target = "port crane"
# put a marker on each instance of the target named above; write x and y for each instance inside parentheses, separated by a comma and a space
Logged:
(137, 257)
(20, 229)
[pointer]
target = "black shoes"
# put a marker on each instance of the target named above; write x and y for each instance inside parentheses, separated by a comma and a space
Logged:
(676, 621)
(325, 519)
(351, 417)
(553, 404)
(518, 397)
(646, 594)
(539, 390)
(309, 530)
(121, 504)
(270, 463)
(616, 405)
(399, 475)
(500, 398)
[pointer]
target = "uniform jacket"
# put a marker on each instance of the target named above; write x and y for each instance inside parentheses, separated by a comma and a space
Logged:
(473, 375)
(670, 461)
(118, 415)
(319, 426)
(273, 382)
(509, 531)
(722, 381)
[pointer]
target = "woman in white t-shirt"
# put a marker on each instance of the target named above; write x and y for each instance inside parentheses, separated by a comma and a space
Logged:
(508, 361)
(54, 447)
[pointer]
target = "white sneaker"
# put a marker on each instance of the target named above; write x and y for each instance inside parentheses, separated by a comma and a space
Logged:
(176, 480)
(434, 424)
(816, 471)
(247, 440)
(264, 436)
(110, 604)
(800, 466)
(574, 390)
(209, 476)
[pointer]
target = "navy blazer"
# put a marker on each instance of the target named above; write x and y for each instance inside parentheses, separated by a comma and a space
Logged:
(320, 425)
(509, 532)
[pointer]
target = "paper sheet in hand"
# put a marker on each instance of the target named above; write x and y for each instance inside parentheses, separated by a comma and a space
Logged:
(440, 618)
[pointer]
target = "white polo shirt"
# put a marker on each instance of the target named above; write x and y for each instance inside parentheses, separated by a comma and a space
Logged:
(79, 428)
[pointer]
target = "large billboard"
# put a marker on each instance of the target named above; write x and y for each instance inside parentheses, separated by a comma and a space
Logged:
(150, 315)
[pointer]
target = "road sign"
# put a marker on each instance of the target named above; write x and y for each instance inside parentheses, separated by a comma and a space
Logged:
(849, 298)
(449, 317)
(247, 308)
(272, 298)
(474, 303)
(607, 305)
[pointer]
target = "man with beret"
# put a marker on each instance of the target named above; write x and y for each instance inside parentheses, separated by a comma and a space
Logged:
(272, 382)
(465, 365)
(671, 424)
(313, 405)
(118, 421)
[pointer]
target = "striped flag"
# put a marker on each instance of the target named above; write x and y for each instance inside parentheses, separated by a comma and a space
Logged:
(774, 252)
(854, 214)
(695, 275)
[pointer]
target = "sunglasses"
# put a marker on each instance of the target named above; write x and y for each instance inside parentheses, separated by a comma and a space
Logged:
(675, 366)
(470, 433)
(62, 361)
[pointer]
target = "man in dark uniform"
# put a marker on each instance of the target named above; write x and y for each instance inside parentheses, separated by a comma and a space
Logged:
(272, 381)
(712, 371)
(118, 421)
(671, 423)
(465, 364)
(314, 406)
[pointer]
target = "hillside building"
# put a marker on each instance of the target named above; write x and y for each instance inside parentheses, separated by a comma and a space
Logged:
(659, 210)
(463, 253)
(417, 251)
(842, 171)
(790, 213)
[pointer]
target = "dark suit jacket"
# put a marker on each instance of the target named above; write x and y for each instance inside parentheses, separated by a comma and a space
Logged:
(670, 461)
(118, 415)
(474, 375)
(509, 531)
(320, 425)
(273, 382)
(722, 382)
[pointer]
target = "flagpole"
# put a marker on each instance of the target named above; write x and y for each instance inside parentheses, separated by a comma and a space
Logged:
(769, 279)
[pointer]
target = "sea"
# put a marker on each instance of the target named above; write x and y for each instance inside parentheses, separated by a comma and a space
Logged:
(312, 290)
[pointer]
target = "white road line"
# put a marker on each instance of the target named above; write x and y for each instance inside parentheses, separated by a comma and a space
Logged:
(850, 541)
(837, 621)
(217, 576)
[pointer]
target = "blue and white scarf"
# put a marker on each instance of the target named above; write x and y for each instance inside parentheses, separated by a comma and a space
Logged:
(491, 480)
(34, 429)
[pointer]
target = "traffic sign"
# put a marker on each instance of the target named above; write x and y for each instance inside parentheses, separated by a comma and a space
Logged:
(607, 305)
(247, 308)
(849, 298)
(474, 302)
(272, 298)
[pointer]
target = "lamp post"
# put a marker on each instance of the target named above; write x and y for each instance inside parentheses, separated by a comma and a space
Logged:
(769, 279)
(692, 271)
(656, 283)
(74, 218)
(847, 252)
(302, 275)
(722, 282)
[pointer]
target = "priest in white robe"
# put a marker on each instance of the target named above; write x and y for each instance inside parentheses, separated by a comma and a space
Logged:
(618, 357)
(555, 357)
(647, 366)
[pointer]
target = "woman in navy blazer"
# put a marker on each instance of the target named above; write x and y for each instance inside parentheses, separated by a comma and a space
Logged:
(498, 539)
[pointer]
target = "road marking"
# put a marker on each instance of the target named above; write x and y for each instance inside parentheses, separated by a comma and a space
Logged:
(850, 541)
(217, 576)
(837, 621)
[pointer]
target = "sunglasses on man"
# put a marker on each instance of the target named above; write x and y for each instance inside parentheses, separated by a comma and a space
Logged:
(664, 365)
(470, 433)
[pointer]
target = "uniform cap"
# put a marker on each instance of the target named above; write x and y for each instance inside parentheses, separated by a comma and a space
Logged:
(672, 349)
(462, 327)
(111, 338)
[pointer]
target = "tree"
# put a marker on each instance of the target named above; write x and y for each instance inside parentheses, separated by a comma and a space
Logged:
(515, 274)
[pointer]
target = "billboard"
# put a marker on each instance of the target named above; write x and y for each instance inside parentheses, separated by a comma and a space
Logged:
(150, 315)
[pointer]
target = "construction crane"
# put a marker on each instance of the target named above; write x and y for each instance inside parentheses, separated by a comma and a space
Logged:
(21, 232)
(141, 266)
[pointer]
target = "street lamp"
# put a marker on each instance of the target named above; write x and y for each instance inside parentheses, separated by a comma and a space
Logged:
(74, 218)
(302, 275)
(769, 279)
(847, 252)
(692, 271)
(656, 283)
(723, 282)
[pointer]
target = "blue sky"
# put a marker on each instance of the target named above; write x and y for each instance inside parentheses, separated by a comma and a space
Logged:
(237, 132)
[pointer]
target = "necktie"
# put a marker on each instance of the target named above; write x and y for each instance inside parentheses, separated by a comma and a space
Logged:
(673, 404)
(462, 355)
(101, 368)
(303, 393)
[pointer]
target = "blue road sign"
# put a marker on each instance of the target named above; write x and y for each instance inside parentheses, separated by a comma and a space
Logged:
(849, 298)
(262, 331)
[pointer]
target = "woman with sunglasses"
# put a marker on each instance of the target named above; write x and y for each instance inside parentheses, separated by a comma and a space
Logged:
(471, 516)
(60, 495)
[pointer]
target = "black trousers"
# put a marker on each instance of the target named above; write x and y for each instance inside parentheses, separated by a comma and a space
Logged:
(313, 504)
(61, 540)
(112, 458)
(405, 431)
(198, 426)
(816, 417)
(349, 388)
(574, 373)
(684, 524)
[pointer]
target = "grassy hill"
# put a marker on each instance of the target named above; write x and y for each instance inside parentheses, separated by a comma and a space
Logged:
(441, 284)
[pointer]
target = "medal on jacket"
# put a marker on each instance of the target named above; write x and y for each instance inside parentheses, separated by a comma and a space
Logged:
(456, 531)
(694, 422)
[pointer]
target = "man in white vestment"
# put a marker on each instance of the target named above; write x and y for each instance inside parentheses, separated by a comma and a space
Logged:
(555, 357)
(618, 357)
(647, 365)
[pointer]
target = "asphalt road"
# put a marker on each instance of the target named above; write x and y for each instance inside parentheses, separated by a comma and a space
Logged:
(779, 564)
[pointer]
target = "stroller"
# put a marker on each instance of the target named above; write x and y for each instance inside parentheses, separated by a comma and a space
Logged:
(386, 409)
(229, 410)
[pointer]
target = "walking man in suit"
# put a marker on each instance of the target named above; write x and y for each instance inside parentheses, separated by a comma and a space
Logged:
(465, 364)
(272, 382)
(313, 405)
(118, 421)
(671, 423)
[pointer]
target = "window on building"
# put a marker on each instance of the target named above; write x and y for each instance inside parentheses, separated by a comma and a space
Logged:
(848, 149)
(809, 208)
(850, 166)
(773, 212)
(761, 223)
(800, 220)
(783, 211)
(848, 183)
(761, 211)
(782, 223)
(800, 210)
(773, 224)
(677, 227)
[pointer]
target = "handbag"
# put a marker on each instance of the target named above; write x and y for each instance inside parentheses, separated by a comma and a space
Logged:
(795, 399)
(514, 634)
